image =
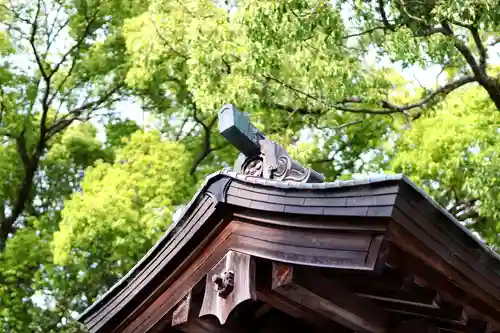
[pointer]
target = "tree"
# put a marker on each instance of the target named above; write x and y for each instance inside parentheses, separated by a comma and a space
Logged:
(28, 279)
(122, 210)
(303, 65)
(458, 35)
(62, 63)
(459, 166)
(201, 55)
(55, 71)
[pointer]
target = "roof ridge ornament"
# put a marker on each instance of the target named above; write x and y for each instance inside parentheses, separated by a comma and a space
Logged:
(260, 156)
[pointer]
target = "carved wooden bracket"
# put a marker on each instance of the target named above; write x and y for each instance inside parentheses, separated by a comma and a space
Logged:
(228, 284)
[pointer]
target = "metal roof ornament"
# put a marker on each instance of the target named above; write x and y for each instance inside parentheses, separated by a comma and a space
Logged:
(260, 156)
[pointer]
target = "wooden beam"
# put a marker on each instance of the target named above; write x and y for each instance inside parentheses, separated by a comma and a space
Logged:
(448, 288)
(424, 312)
(328, 298)
(389, 285)
(298, 311)
(262, 310)
(417, 326)
(443, 265)
(252, 318)
(276, 321)
(290, 307)
(419, 296)
(477, 326)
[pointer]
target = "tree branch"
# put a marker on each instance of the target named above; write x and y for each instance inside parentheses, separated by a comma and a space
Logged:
(34, 28)
(480, 47)
(365, 32)
(64, 80)
(22, 150)
(383, 14)
(75, 113)
(386, 106)
(431, 31)
(495, 41)
(75, 46)
(206, 139)
(464, 50)
(181, 129)
(16, 15)
(51, 36)
(30, 165)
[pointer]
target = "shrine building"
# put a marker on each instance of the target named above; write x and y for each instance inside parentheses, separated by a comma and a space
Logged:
(268, 247)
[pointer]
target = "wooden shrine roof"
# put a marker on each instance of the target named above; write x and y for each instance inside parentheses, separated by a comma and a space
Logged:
(401, 221)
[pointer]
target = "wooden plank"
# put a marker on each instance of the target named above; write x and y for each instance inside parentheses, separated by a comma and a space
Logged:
(444, 326)
(377, 252)
(328, 298)
(185, 317)
(475, 254)
(313, 222)
(417, 326)
(390, 296)
(452, 313)
(478, 326)
(450, 283)
(332, 240)
(297, 255)
(353, 191)
(448, 247)
(396, 291)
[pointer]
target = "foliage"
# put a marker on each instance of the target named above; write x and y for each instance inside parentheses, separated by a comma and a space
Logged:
(121, 211)
(124, 206)
(459, 166)
(56, 71)
(26, 267)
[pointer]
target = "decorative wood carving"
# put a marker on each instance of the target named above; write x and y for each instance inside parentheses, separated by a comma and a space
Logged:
(328, 298)
(224, 283)
(228, 284)
(260, 157)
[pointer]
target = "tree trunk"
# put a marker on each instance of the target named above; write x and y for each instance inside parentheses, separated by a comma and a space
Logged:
(492, 86)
